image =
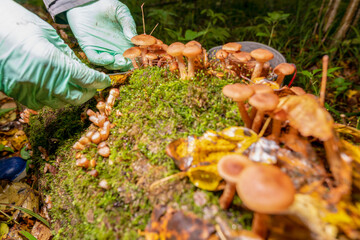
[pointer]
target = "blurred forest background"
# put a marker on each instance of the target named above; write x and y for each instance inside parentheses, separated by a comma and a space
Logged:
(302, 30)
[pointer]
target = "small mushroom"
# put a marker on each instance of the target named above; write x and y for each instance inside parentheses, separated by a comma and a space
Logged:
(261, 56)
(240, 93)
(96, 138)
(298, 91)
(176, 50)
(84, 141)
(282, 70)
(83, 162)
(229, 168)
(104, 151)
(132, 53)
(78, 146)
(232, 47)
(151, 57)
(104, 184)
(173, 66)
(222, 55)
(105, 131)
(93, 173)
(101, 107)
(113, 94)
(191, 52)
(263, 102)
(90, 113)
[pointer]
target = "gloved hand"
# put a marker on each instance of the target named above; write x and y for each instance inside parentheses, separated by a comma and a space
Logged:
(36, 67)
(103, 29)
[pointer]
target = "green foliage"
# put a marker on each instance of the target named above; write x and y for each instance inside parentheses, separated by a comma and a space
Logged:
(5, 148)
(27, 235)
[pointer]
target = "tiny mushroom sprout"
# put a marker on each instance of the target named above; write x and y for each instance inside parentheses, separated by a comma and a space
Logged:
(191, 52)
(151, 57)
(232, 47)
(176, 50)
(263, 102)
(132, 53)
(265, 189)
(229, 168)
(143, 41)
(282, 70)
(240, 93)
(222, 55)
(261, 56)
(101, 107)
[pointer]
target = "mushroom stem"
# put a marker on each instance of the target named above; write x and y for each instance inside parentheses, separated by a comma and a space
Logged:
(143, 57)
(276, 129)
(206, 59)
(134, 63)
(257, 70)
(253, 112)
(260, 224)
(280, 79)
(191, 68)
(257, 121)
(244, 114)
(324, 79)
(181, 66)
(227, 195)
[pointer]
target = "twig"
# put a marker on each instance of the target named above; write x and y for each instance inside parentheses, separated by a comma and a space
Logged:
(154, 28)
(178, 175)
(266, 124)
(143, 18)
(10, 218)
(325, 62)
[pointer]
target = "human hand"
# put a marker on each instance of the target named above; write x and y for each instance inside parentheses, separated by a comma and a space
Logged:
(103, 29)
(36, 67)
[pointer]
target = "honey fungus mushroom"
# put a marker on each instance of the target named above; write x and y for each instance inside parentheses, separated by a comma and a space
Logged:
(229, 168)
(261, 56)
(282, 70)
(232, 47)
(143, 41)
(191, 52)
(240, 93)
(176, 50)
(132, 53)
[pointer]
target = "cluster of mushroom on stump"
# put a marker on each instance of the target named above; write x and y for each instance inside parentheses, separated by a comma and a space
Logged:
(99, 132)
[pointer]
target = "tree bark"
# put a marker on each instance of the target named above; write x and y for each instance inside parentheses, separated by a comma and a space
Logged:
(346, 22)
(329, 19)
(319, 16)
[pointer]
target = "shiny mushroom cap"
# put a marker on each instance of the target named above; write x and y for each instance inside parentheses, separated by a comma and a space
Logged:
(238, 92)
(230, 167)
(232, 47)
(132, 52)
(265, 189)
(151, 56)
(264, 101)
(242, 57)
(262, 55)
(192, 51)
(284, 69)
(193, 42)
(143, 40)
(176, 49)
(221, 54)
(261, 88)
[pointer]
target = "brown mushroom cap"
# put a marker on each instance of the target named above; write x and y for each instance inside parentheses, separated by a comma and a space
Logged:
(114, 92)
(193, 42)
(264, 101)
(262, 55)
(151, 56)
(221, 54)
(232, 47)
(284, 69)
(132, 52)
(192, 51)
(298, 90)
(230, 167)
(143, 40)
(265, 189)
(242, 57)
(261, 88)
(176, 49)
(238, 92)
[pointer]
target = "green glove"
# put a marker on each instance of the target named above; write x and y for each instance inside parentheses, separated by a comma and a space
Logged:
(36, 67)
(104, 29)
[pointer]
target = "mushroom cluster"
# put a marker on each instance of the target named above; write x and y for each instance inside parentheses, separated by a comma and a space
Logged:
(98, 133)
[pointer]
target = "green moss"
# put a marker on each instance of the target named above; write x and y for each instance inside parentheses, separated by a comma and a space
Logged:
(156, 108)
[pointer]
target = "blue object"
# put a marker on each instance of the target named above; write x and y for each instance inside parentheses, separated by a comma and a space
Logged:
(12, 169)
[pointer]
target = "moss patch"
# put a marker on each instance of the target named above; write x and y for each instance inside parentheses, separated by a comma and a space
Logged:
(156, 108)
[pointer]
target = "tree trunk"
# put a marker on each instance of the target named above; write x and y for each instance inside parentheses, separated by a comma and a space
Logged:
(346, 22)
(319, 16)
(329, 19)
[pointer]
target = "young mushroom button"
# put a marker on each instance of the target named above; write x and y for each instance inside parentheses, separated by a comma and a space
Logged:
(263, 102)
(261, 56)
(191, 52)
(239, 93)
(282, 70)
(132, 53)
(176, 50)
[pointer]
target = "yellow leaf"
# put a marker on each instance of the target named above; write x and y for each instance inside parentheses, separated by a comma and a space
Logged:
(205, 177)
